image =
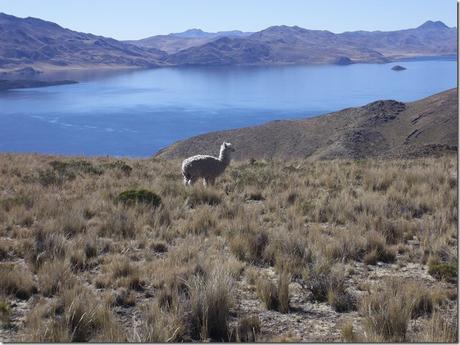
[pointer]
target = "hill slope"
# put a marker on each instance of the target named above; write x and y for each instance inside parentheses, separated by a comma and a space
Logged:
(295, 45)
(35, 42)
(32, 42)
(382, 128)
(173, 43)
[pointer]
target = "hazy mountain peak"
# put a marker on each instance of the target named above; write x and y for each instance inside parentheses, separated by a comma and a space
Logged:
(429, 24)
(192, 33)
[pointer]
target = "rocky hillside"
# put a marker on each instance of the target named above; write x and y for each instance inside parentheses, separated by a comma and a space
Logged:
(46, 45)
(295, 45)
(383, 128)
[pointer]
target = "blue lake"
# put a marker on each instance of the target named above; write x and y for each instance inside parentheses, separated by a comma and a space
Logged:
(136, 113)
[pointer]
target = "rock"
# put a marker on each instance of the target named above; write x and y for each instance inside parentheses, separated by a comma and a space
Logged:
(398, 68)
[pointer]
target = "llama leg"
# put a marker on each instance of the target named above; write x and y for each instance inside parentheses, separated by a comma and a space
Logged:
(205, 182)
(185, 181)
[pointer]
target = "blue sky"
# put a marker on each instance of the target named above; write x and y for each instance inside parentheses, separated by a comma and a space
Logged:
(134, 19)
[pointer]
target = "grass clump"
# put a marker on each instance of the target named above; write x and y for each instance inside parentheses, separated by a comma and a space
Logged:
(387, 312)
(210, 301)
(54, 276)
(203, 196)
(377, 250)
(5, 312)
(347, 332)
(274, 297)
(16, 281)
(247, 330)
(142, 196)
(439, 330)
(77, 316)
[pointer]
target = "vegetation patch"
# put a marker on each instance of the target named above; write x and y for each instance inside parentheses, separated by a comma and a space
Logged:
(445, 271)
(142, 196)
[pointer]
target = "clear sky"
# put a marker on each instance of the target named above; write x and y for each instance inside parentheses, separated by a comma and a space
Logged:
(134, 19)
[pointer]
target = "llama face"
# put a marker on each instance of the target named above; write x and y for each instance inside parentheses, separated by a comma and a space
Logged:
(228, 146)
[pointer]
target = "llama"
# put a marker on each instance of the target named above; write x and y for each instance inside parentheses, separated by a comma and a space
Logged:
(207, 167)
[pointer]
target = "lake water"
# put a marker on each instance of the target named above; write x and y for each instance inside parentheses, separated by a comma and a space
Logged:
(138, 112)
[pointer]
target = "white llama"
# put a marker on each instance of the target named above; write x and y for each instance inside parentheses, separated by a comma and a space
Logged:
(207, 167)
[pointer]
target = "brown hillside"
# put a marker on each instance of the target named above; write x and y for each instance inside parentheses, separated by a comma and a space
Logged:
(379, 129)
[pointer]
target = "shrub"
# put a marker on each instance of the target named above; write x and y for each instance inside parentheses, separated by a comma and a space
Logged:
(75, 166)
(49, 177)
(444, 271)
(142, 196)
(119, 165)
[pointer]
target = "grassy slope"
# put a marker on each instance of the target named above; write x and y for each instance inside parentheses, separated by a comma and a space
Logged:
(320, 240)
(382, 128)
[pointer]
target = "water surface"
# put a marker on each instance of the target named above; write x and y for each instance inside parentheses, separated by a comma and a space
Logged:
(135, 113)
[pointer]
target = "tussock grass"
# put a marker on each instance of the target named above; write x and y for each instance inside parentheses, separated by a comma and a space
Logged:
(314, 224)
(16, 281)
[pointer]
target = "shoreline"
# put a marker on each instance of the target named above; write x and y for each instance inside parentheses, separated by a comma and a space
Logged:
(49, 70)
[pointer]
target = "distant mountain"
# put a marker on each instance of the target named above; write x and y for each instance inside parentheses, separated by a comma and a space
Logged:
(175, 42)
(295, 45)
(380, 129)
(43, 46)
(46, 45)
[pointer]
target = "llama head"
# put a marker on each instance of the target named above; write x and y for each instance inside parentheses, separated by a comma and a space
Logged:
(227, 147)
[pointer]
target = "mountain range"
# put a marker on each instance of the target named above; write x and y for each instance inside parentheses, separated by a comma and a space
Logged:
(43, 45)
(385, 128)
(175, 42)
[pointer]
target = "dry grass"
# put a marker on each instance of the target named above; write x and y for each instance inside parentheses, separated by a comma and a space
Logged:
(172, 272)
(274, 296)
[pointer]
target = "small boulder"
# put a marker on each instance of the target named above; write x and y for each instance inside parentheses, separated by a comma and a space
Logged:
(398, 68)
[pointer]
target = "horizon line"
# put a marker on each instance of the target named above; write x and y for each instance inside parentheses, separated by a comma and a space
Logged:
(227, 30)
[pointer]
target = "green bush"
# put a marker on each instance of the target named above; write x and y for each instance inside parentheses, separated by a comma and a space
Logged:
(445, 271)
(141, 196)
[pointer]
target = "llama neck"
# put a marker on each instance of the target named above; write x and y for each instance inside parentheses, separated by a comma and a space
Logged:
(224, 156)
